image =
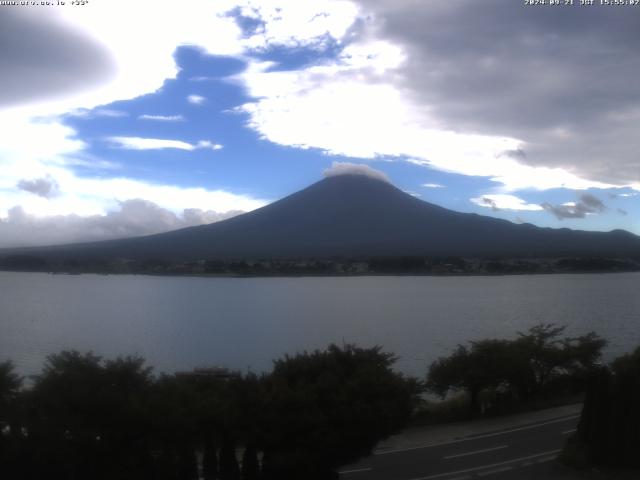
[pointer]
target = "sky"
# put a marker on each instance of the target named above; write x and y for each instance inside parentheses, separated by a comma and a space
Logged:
(123, 118)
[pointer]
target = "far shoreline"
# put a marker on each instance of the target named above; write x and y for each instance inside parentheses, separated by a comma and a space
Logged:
(323, 275)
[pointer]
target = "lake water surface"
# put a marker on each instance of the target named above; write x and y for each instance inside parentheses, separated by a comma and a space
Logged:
(178, 323)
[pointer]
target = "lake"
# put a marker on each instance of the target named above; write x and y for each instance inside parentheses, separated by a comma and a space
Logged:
(178, 323)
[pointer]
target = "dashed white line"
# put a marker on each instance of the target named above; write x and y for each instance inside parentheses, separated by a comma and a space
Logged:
(356, 470)
(495, 470)
(550, 454)
(545, 460)
(567, 432)
(475, 452)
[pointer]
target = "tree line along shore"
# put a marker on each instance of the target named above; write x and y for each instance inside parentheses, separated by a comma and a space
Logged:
(84, 416)
(399, 265)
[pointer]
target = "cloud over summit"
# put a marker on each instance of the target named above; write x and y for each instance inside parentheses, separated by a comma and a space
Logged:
(347, 168)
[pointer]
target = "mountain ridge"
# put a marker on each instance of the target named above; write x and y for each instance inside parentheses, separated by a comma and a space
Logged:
(352, 216)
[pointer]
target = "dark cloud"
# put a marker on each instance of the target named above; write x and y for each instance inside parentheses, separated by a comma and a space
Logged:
(587, 204)
(490, 203)
(564, 211)
(592, 202)
(622, 212)
(43, 187)
(517, 154)
(40, 58)
(559, 78)
(133, 218)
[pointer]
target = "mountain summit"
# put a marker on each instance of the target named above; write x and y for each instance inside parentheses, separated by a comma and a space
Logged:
(355, 216)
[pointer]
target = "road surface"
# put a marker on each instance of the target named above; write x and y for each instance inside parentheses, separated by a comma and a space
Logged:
(509, 452)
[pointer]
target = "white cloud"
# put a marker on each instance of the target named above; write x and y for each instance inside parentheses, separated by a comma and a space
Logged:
(53, 156)
(129, 218)
(138, 143)
(505, 202)
(432, 185)
(357, 106)
(162, 118)
(37, 145)
(99, 112)
(330, 107)
(209, 145)
(136, 64)
(145, 61)
(292, 23)
(196, 99)
(346, 168)
(96, 196)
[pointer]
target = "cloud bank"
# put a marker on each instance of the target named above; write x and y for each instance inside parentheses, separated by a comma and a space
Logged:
(535, 74)
(131, 218)
(474, 88)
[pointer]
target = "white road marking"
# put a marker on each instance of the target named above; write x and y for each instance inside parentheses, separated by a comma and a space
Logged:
(567, 432)
(495, 470)
(475, 452)
(356, 470)
(467, 439)
(492, 465)
(545, 460)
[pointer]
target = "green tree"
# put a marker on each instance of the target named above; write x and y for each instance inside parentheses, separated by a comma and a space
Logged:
(10, 429)
(176, 409)
(328, 408)
(486, 364)
(524, 367)
(88, 418)
(10, 384)
(550, 356)
(541, 345)
(609, 428)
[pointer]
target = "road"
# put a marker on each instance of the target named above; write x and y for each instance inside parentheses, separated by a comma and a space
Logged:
(502, 454)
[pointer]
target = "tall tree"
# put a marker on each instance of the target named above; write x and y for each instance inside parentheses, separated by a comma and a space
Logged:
(486, 364)
(525, 366)
(88, 419)
(10, 428)
(328, 408)
(609, 428)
